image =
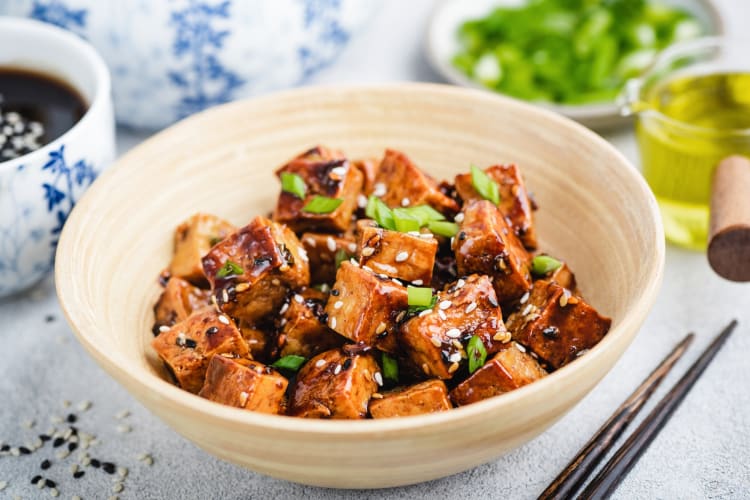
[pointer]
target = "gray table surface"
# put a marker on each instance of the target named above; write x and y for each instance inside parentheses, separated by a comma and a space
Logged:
(704, 452)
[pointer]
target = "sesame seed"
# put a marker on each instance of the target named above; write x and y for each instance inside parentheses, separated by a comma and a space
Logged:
(76, 497)
(243, 398)
(122, 471)
(379, 189)
(282, 322)
(55, 419)
(122, 429)
(117, 488)
(28, 424)
(471, 307)
(381, 328)
(502, 336)
(377, 395)
(337, 370)
(425, 368)
(400, 316)
(453, 333)
(338, 304)
(573, 300)
(455, 357)
(425, 313)
(54, 492)
(457, 344)
(383, 276)
(459, 217)
(333, 322)
(339, 171)
(163, 328)
(524, 298)
(275, 282)
(243, 286)
(378, 378)
(223, 319)
(563, 300)
(331, 244)
(460, 284)
(445, 304)
(62, 454)
(527, 309)
(413, 233)
(298, 298)
(520, 347)
(149, 460)
(425, 236)
(402, 256)
(3, 485)
(442, 315)
(435, 341)
(284, 308)
(368, 269)
(319, 363)
(224, 295)
(367, 251)
(405, 202)
(361, 201)
(354, 262)
(418, 282)
(453, 367)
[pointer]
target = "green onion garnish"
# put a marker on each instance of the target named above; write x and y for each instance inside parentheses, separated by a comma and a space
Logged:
(294, 184)
(322, 205)
(419, 296)
(341, 256)
(486, 187)
(403, 221)
(423, 213)
(229, 269)
(390, 368)
(291, 363)
(476, 352)
(544, 264)
(376, 209)
(443, 228)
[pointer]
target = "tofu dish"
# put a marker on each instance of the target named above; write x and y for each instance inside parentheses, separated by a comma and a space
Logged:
(371, 291)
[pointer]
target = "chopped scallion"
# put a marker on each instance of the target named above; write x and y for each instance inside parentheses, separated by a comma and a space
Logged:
(403, 221)
(376, 209)
(229, 269)
(423, 213)
(291, 363)
(544, 264)
(486, 187)
(390, 368)
(341, 256)
(443, 228)
(419, 296)
(322, 205)
(294, 184)
(476, 353)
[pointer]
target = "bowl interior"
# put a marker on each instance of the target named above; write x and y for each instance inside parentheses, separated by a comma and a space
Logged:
(595, 212)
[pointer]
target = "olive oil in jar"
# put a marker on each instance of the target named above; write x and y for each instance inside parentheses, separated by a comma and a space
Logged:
(688, 124)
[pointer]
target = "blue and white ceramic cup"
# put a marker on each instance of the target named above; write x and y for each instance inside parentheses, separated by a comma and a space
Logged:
(38, 190)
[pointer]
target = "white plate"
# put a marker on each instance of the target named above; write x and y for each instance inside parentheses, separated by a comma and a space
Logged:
(442, 44)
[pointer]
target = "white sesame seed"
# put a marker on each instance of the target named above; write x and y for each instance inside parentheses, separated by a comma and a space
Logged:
(62, 454)
(76, 497)
(361, 201)
(396, 281)
(53, 492)
(472, 305)
(402, 256)
(425, 313)
(367, 251)
(337, 370)
(149, 460)
(354, 262)
(338, 304)
(435, 341)
(245, 286)
(56, 419)
(452, 240)
(379, 189)
(445, 304)
(377, 395)
(425, 368)
(163, 328)
(243, 398)
(333, 323)
(117, 488)
(303, 254)
(352, 247)
(325, 288)
(282, 322)
(298, 298)
(418, 282)
(284, 308)
(122, 429)
(331, 244)
(223, 319)
(378, 378)
(453, 367)
(3, 485)
(413, 233)
(400, 316)
(225, 295)
(319, 363)
(405, 202)
(453, 333)
(28, 424)
(527, 309)
(524, 298)
(425, 236)
(181, 339)
(457, 344)
(310, 241)
(381, 328)
(275, 282)
(455, 357)
(442, 315)
(368, 269)
(563, 300)
(459, 217)
(339, 171)
(383, 276)
(520, 347)
(460, 284)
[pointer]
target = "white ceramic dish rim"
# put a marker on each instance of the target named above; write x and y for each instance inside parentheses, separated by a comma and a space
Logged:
(180, 398)
(583, 112)
(102, 82)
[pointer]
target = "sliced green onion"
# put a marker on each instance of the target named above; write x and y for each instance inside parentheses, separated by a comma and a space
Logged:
(476, 353)
(443, 228)
(403, 221)
(419, 296)
(322, 205)
(423, 213)
(544, 264)
(341, 256)
(390, 368)
(291, 363)
(229, 269)
(486, 187)
(376, 209)
(294, 184)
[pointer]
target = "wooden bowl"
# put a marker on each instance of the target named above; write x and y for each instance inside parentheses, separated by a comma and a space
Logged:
(596, 212)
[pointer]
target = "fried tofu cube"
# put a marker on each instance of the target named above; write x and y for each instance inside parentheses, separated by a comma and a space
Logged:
(334, 385)
(363, 307)
(485, 244)
(399, 183)
(188, 346)
(253, 269)
(322, 250)
(178, 301)
(257, 339)
(556, 325)
(325, 173)
(436, 339)
(192, 240)
(369, 169)
(304, 331)
(397, 255)
(427, 397)
(564, 277)
(244, 384)
(509, 369)
(515, 203)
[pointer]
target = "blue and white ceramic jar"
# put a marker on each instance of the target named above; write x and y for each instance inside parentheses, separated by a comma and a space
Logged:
(38, 190)
(173, 58)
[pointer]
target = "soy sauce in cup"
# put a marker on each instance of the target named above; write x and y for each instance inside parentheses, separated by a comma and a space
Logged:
(35, 109)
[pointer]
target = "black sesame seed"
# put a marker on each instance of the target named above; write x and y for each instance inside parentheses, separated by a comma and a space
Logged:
(49, 483)
(78, 474)
(551, 332)
(190, 343)
(45, 465)
(347, 364)
(72, 446)
(5, 447)
(73, 430)
(36, 479)
(95, 463)
(461, 236)
(71, 418)
(49, 318)
(335, 292)
(44, 437)
(212, 330)
(24, 450)
(108, 467)
(58, 442)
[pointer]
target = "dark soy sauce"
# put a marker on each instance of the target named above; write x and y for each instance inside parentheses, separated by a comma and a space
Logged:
(35, 109)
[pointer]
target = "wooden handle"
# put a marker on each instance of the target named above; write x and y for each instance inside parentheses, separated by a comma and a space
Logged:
(729, 236)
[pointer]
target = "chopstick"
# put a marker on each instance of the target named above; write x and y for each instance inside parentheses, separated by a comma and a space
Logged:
(589, 457)
(624, 458)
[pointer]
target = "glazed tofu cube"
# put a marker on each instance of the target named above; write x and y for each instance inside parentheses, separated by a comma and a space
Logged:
(304, 331)
(188, 346)
(556, 325)
(252, 270)
(515, 203)
(399, 183)
(178, 301)
(436, 339)
(363, 307)
(334, 385)
(397, 255)
(244, 384)
(322, 250)
(485, 244)
(192, 240)
(369, 169)
(564, 277)
(257, 339)
(325, 173)
(509, 369)
(427, 397)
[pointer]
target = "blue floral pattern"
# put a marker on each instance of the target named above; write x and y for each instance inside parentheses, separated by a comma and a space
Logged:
(321, 19)
(58, 13)
(204, 80)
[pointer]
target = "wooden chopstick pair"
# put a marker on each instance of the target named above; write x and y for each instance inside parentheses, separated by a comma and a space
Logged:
(575, 474)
